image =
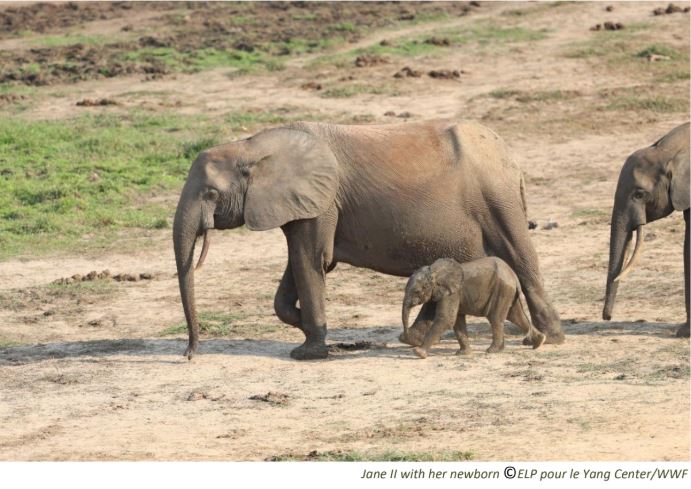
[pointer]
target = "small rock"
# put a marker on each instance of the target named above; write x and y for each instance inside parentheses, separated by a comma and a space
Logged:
(657, 57)
(438, 41)
(91, 275)
(406, 16)
(385, 42)
(76, 277)
(609, 8)
(474, 4)
(275, 398)
(197, 396)
(145, 276)
(596, 27)
(445, 74)
(613, 26)
(370, 60)
(311, 86)
(620, 377)
(88, 102)
(407, 72)
(405, 115)
(94, 177)
(550, 224)
(532, 224)
(48, 313)
(650, 237)
(390, 113)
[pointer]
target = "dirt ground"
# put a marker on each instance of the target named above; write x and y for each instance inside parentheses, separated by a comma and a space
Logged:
(91, 373)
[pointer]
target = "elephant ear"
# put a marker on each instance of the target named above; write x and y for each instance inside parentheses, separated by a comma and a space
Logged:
(679, 188)
(295, 176)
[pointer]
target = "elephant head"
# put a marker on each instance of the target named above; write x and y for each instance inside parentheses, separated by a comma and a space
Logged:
(428, 284)
(653, 182)
(265, 181)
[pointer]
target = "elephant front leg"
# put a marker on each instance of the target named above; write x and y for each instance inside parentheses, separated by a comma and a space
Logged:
(683, 331)
(309, 258)
(446, 314)
(421, 326)
(286, 299)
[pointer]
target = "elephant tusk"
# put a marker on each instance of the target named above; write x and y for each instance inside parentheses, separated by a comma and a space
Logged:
(205, 249)
(636, 255)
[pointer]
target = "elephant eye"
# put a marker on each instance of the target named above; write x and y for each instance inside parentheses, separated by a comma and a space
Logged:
(639, 194)
(212, 195)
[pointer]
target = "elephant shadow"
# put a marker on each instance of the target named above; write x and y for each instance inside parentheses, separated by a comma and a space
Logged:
(346, 344)
(620, 328)
(354, 342)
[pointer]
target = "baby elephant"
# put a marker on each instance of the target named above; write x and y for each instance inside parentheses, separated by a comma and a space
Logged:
(486, 287)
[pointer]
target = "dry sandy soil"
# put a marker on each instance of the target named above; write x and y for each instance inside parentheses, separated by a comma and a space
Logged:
(92, 377)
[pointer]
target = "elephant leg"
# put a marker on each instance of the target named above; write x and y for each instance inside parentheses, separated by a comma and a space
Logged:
(515, 248)
(497, 344)
(310, 254)
(460, 328)
(286, 299)
(683, 331)
(421, 326)
(446, 312)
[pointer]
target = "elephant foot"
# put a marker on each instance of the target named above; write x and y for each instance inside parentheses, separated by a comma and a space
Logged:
(554, 337)
(536, 340)
(493, 348)
(416, 334)
(465, 352)
(421, 352)
(683, 331)
(191, 350)
(311, 351)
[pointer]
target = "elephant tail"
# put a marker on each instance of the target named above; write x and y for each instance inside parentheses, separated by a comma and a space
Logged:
(523, 199)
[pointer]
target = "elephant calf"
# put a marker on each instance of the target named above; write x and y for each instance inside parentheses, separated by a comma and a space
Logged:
(485, 287)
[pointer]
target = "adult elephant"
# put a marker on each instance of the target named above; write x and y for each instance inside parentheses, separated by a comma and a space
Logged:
(653, 183)
(390, 198)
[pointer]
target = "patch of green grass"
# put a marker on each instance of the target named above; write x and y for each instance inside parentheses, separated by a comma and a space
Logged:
(204, 59)
(91, 288)
(223, 324)
(344, 26)
(535, 96)
(304, 17)
(68, 182)
(5, 343)
(659, 49)
(653, 103)
(387, 456)
(347, 91)
(69, 40)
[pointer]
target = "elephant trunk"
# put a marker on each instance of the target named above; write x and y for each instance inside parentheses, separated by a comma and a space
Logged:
(405, 314)
(186, 228)
(620, 238)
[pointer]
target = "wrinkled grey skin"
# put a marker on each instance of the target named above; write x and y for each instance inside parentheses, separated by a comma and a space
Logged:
(390, 198)
(653, 183)
(486, 287)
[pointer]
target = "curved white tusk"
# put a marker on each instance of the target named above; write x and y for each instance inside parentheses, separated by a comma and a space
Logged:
(205, 249)
(636, 255)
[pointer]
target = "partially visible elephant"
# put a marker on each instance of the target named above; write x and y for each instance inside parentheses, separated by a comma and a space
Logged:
(653, 183)
(485, 287)
(390, 198)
